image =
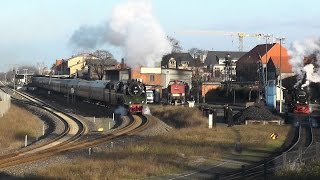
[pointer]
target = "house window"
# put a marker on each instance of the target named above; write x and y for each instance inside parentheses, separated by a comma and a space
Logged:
(151, 77)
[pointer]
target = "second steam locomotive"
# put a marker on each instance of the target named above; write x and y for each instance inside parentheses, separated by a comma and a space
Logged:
(299, 98)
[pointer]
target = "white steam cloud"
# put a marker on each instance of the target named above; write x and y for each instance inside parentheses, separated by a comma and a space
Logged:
(301, 50)
(133, 28)
(146, 110)
(121, 110)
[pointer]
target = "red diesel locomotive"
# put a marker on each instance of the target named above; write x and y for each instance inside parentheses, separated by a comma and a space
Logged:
(177, 91)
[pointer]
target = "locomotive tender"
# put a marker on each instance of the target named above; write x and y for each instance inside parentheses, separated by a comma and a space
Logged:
(131, 94)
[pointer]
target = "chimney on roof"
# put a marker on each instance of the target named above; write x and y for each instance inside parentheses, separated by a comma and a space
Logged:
(122, 64)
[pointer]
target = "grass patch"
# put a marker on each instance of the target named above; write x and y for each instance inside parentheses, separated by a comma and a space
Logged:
(174, 152)
(309, 171)
(15, 124)
(179, 117)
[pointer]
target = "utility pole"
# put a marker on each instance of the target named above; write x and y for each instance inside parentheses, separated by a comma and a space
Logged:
(267, 36)
(25, 75)
(228, 72)
(266, 72)
(280, 78)
(14, 81)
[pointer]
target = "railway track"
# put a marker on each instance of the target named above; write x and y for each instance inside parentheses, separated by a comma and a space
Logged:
(70, 139)
(305, 136)
(73, 130)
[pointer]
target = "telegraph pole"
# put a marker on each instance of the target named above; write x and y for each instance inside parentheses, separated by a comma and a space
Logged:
(14, 81)
(266, 70)
(280, 78)
(228, 72)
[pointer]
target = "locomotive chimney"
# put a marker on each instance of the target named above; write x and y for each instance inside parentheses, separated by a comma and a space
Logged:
(122, 65)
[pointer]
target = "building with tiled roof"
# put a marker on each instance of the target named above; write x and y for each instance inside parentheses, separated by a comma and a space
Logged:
(178, 61)
(273, 67)
(214, 57)
(248, 64)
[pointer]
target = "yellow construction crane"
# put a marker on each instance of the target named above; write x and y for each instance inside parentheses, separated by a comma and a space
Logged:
(240, 35)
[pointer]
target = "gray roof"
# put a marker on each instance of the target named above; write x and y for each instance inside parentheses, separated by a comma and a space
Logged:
(214, 56)
(106, 62)
(178, 57)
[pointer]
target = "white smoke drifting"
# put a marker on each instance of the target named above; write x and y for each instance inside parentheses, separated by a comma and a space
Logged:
(121, 111)
(298, 52)
(133, 28)
(146, 110)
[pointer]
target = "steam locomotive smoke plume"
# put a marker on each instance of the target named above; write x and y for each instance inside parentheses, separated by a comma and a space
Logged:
(121, 111)
(133, 28)
(146, 110)
(298, 52)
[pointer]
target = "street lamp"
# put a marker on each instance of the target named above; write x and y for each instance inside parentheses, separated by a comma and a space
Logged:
(167, 77)
(25, 75)
(280, 78)
(228, 72)
(14, 81)
(267, 36)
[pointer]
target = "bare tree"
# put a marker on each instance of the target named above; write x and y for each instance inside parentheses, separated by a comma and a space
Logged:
(41, 68)
(27, 69)
(195, 52)
(103, 54)
(101, 61)
(176, 47)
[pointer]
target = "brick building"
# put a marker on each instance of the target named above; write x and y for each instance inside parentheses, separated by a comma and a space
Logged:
(149, 76)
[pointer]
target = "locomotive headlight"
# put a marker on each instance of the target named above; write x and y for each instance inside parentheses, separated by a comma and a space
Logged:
(142, 102)
(130, 102)
(297, 101)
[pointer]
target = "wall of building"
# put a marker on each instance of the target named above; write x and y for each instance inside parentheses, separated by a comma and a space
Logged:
(149, 76)
(207, 86)
(5, 103)
(77, 67)
(175, 74)
(117, 75)
(77, 63)
(76, 60)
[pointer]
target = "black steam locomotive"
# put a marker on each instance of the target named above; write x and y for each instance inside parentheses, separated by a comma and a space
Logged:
(298, 98)
(130, 94)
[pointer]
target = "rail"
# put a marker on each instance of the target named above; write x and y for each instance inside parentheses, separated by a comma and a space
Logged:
(303, 149)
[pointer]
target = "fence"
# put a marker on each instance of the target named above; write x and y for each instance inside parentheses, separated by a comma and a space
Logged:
(287, 160)
(5, 103)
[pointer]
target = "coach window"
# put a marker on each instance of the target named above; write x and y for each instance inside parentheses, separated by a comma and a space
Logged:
(151, 77)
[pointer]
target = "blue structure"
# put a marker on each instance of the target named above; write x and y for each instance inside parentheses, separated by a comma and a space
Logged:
(271, 94)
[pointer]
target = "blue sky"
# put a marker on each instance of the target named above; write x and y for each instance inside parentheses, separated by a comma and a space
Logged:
(38, 30)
